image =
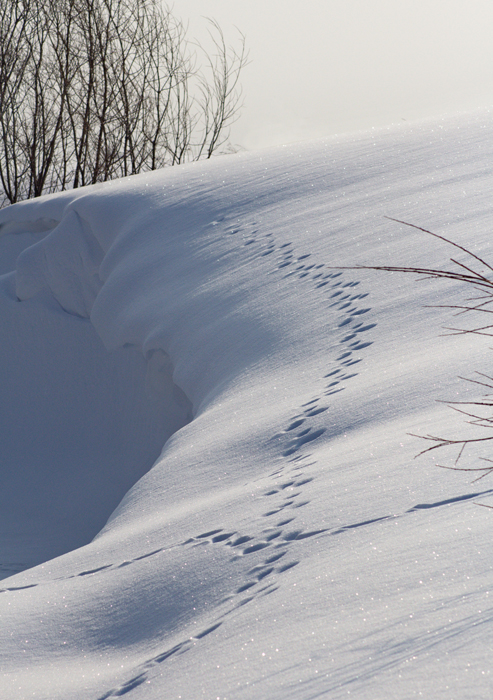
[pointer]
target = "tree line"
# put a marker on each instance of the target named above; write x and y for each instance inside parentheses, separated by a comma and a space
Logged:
(92, 90)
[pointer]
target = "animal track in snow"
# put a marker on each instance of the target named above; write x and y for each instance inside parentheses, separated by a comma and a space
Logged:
(272, 564)
(268, 550)
(274, 536)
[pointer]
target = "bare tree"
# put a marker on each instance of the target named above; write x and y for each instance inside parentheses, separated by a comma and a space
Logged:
(91, 90)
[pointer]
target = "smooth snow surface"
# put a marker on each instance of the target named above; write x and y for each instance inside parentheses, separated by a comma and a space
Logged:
(208, 426)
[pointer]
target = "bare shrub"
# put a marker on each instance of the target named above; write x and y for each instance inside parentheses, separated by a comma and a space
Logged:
(92, 90)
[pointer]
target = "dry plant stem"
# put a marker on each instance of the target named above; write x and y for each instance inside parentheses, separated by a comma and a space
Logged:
(482, 282)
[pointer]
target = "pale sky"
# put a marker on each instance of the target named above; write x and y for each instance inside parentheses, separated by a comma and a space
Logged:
(320, 67)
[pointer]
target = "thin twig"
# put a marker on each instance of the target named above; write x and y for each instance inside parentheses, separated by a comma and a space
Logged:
(484, 286)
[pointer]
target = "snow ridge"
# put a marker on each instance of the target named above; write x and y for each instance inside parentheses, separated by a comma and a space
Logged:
(229, 413)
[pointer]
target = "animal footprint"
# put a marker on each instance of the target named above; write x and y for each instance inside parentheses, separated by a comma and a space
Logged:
(303, 438)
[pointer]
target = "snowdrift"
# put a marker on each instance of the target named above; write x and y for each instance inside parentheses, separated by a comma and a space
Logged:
(208, 483)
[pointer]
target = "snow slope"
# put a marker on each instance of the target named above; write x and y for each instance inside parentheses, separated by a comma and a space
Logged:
(208, 483)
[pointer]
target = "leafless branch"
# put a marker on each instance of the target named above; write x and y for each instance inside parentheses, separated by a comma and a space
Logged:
(91, 90)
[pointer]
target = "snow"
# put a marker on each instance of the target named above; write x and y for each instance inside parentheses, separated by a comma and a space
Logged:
(208, 480)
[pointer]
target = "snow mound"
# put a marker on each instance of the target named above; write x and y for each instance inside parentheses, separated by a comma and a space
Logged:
(205, 455)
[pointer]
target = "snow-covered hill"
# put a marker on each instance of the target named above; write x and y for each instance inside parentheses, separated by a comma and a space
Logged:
(208, 483)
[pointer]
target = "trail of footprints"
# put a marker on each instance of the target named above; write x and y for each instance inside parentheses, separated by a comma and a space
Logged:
(339, 292)
(263, 575)
(270, 549)
(341, 297)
